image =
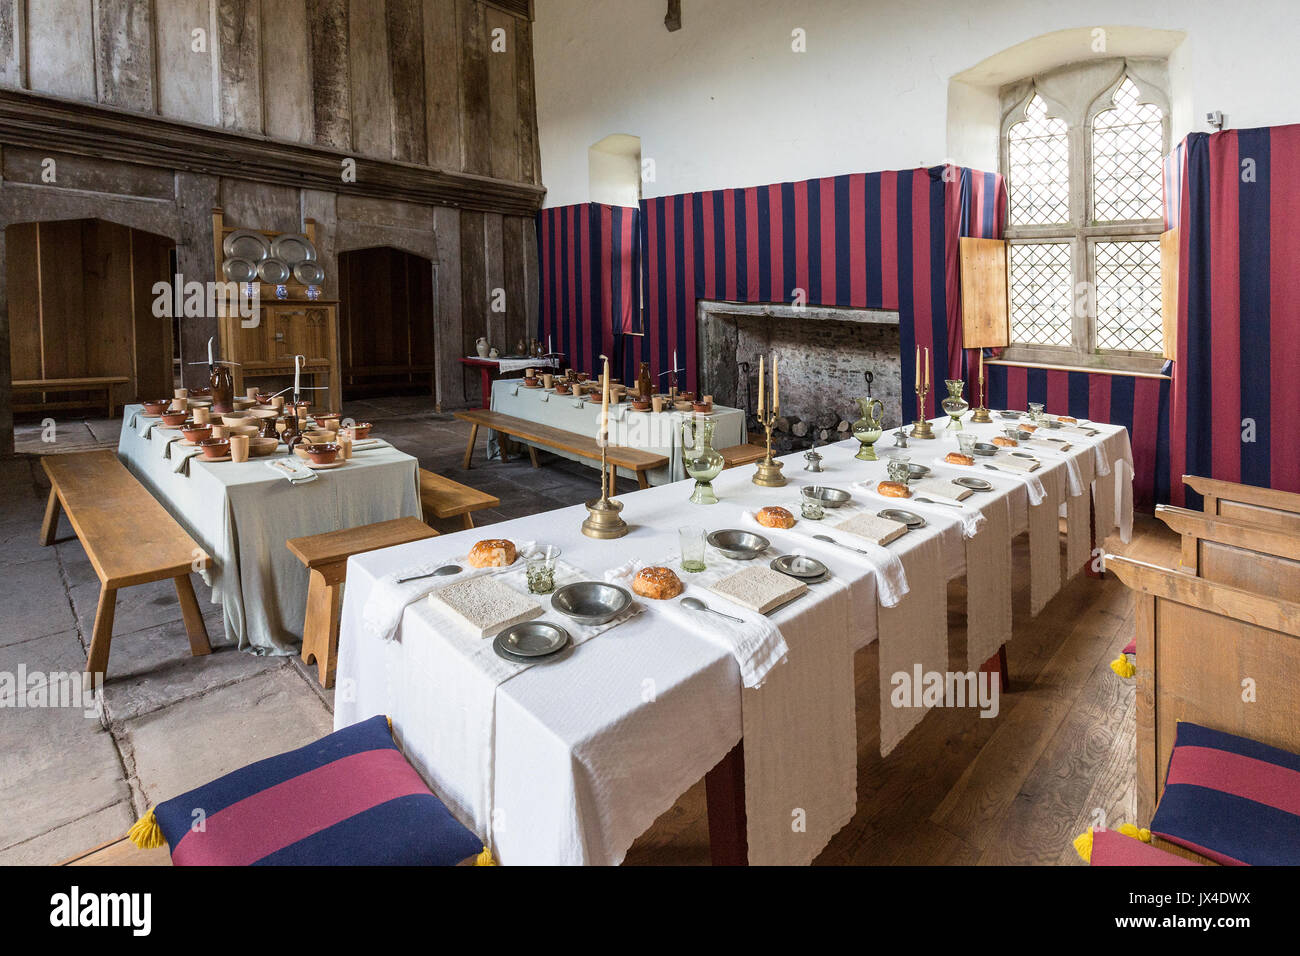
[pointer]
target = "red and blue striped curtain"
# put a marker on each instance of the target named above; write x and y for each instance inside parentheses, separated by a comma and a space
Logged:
(1236, 403)
(587, 279)
(882, 240)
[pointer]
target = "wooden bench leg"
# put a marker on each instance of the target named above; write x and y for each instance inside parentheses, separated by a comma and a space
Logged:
(50, 526)
(641, 480)
(320, 631)
(469, 448)
(532, 456)
(467, 520)
(194, 626)
(102, 636)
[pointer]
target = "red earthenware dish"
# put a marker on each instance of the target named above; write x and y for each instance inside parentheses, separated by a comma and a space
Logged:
(215, 447)
(323, 453)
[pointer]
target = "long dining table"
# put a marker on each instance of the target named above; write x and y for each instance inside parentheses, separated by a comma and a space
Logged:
(569, 760)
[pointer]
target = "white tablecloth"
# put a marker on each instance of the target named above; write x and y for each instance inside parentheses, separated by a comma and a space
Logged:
(505, 365)
(587, 751)
(661, 433)
(241, 515)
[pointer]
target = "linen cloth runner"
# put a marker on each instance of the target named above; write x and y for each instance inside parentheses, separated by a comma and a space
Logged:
(913, 634)
(988, 583)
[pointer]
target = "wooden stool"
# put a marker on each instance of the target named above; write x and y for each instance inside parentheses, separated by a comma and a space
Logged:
(444, 498)
(326, 557)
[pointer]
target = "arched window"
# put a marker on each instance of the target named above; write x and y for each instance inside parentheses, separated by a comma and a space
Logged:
(1082, 151)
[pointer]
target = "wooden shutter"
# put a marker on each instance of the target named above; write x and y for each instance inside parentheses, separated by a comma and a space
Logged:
(985, 305)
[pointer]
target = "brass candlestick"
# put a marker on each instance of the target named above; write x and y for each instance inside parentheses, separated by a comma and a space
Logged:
(981, 415)
(768, 471)
(921, 427)
(603, 519)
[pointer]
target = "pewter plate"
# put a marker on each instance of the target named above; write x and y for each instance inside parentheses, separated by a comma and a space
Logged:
(246, 244)
(1009, 415)
(309, 273)
(917, 471)
(741, 545)
(800, 566)
(591, 602)
(238, 269)
(273, 271)
(909, 518)
(987, 449)
(532, 639)
(974, 484)
(826, 497)
(1024, 454)
(293, 248)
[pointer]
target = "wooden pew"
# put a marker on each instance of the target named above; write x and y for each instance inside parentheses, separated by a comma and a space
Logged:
(43, 386)
(1243, 554)
(617, 456)
(128, 536)
(443, 498)
(326, 557)
(1198, 642)
(1229, 499)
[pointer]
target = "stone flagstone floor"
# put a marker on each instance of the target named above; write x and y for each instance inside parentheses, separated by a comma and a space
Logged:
(170, 721)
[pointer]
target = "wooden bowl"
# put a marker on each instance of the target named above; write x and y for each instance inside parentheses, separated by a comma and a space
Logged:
(237, 418)
(243, 404)
(318, 435)
(215, 447)
(195, 432)
(261, 447)
(175, 418)
(323, 453)
(252, 431)
(263, 413)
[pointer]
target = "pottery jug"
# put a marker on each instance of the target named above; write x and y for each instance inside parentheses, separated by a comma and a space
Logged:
(644, 386)
(223, 389)
(482, 346)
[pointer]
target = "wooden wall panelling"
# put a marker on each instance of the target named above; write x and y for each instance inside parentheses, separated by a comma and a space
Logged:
(6, 394)
(442, 83)
(531, 291)
(420, 331)
(331, 88)
(13, 70)
(151, 335)
(124, 67)
(372, 90)
(473, 288)
(239, 27)
(60, 48)
(493, 279)
(530, 163)
(476, 133)
(503, 93)
(88, 174)
(261, 206)
(406, 55)
(186, 78)
(195, 197)
(287, 71)
(63, 305)
(448, 329)
(24, 300)
(513, 251)
(107, 323)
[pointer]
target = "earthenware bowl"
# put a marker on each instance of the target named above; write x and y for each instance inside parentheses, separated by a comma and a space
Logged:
(641, 406)
(361, 430)
(323, 453)
(194, 432)
(156, 408)
(215, 447)
(561, 388)
(175, 418)
(702, 407)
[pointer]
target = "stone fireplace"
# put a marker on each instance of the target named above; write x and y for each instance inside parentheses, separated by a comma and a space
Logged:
(824, 354)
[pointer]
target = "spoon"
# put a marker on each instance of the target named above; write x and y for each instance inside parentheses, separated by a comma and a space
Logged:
(695, 604)
(440, 572)
(931, 501)
(823, 537)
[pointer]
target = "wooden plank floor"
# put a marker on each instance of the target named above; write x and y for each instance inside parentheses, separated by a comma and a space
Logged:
(1015, 789)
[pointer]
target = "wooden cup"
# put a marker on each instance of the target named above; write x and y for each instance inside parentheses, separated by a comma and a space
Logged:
(202, 414)
(657, 402)
(239, 448)
(251, 392)
(181, 393)
(278, 402)
(220, 431)
(345, 447)
(548, 381)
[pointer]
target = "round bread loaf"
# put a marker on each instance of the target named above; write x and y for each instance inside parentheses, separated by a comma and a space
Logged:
(657, 583)
(1067, 419)
(1028, 428)
(1005, 442)
(774, 517)
(493, 553)
(893, 489)
(957, 458)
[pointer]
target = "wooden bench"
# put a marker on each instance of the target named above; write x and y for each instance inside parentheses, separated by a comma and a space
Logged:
(326, 557)
(617, 456)
(120, 852)
(128, 536)
(1250, 555)
(96, 384)
(1228, 499)
(738, 455)
(444, 498)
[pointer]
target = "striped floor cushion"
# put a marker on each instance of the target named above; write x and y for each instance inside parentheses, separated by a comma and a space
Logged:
(348, 799)
(1231, 799)
(1112, 848)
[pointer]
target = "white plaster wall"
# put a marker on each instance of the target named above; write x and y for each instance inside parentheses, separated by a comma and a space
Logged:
(725, 102)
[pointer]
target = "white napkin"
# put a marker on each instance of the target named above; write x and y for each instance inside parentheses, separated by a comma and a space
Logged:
(388, 599)
(757, 644)
(970, 518)
(165, 445)
(1032, 482)
(147, 425)
(292, 469)
(891, 579)
(181, 460)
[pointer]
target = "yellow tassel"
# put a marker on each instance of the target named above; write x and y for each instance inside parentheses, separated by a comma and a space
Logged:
(1083, 845)
(1130, 830)
(1123, 666)
(390, 724)
(146, 834)
(485, 858)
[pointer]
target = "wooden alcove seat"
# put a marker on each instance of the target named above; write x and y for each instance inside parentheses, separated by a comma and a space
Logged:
(98, 383)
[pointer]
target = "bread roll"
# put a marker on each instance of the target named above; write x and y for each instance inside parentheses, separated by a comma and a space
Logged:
(657, 583)
(1028, 428)
(957, 458)
(1005, 442)
(893, 489)
(1067, 419)
(774, 517)
(493, 553)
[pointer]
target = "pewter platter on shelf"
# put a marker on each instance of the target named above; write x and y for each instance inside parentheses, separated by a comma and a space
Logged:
(246, 244)
(239, 269)
(273, 271)
(293, 248)
(591, 602)
(309, 273)
(734, 543)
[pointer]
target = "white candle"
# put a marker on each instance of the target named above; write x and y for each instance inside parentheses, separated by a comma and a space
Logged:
(760, 386)
(297, 373)
(210, 361)
(674, 361)
(776, 389)
(549, 347)
(604, 406)
(927, 368)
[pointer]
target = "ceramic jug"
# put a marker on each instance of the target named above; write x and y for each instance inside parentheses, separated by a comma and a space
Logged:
(482, 346)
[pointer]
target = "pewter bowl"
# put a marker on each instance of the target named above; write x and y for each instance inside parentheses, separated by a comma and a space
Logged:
(742, 545)
(987, 449)
(591, 602)
(826, 497)
(917, 471)
(799, 566)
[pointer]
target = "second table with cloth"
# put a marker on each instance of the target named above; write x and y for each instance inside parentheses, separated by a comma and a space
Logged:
(568, 761)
